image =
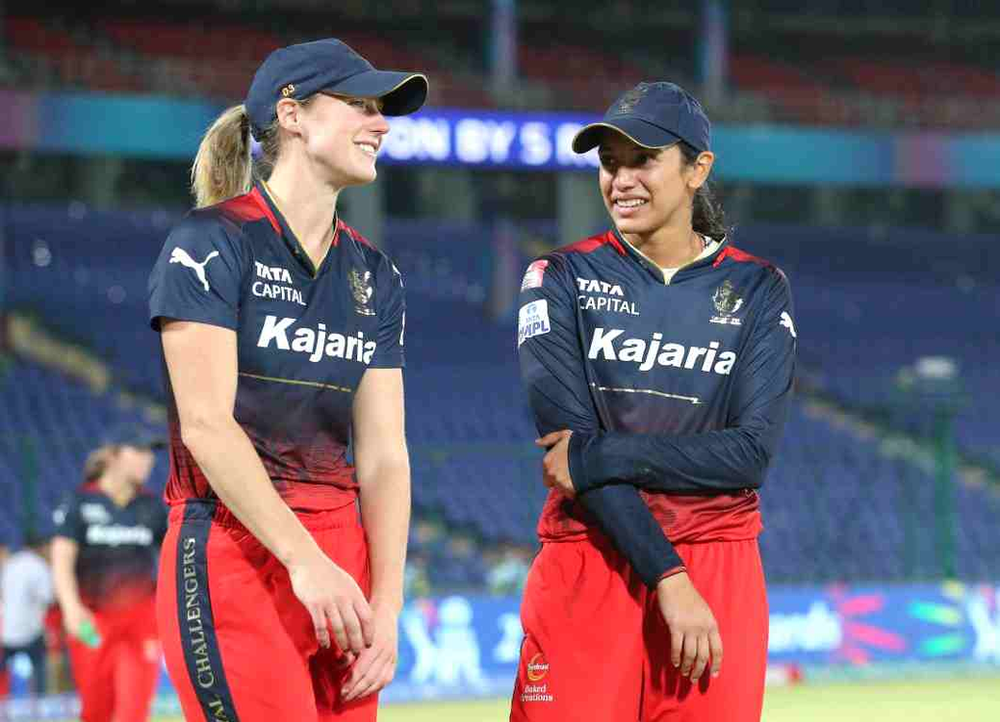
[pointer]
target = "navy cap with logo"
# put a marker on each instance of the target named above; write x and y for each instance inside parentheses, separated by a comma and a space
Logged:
(298, 71)
(133, 434)
(652, 115)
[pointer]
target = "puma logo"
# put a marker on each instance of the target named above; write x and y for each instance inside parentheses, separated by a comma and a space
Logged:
(786, 321)
(179, 255)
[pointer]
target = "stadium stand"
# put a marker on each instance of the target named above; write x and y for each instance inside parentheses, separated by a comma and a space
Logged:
(838, 505)
(87, 269)
(869, 83)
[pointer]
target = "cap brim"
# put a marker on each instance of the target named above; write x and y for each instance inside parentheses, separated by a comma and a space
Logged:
(401, 93)
(638, 131)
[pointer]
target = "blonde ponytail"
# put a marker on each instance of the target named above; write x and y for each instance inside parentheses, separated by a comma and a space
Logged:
(222, 168)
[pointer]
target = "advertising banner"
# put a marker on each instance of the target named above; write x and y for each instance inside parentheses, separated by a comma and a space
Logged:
(467, 646)
(145, 126)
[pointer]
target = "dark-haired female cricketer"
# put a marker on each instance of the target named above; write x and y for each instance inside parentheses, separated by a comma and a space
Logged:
(658, 360)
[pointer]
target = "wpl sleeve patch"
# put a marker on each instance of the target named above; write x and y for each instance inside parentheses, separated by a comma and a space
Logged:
(533, 276)
(533, 320)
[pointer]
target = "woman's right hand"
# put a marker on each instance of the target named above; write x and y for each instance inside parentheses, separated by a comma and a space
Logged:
(75, 616)
(334, 601)
(694, 633)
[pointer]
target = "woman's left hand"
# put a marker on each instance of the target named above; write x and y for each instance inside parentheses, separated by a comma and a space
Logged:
(375, 667)
(555, 465)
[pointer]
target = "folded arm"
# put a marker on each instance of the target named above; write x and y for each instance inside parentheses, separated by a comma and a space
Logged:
(720, 461)
(553, 372)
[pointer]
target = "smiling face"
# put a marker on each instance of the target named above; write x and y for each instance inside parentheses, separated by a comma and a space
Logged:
(340, 135)
(646, 189)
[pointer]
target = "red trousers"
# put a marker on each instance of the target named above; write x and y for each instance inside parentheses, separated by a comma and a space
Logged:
(596, 647)
(238, 644)
(117, 680)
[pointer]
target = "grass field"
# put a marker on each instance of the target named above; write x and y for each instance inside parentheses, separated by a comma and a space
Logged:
(930, 700)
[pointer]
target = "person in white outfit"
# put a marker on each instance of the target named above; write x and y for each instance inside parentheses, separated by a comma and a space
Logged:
(26, 593)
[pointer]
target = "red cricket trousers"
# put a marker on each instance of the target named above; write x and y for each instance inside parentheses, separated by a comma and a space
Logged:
(117, 680)
(596, 647)
(238, 644)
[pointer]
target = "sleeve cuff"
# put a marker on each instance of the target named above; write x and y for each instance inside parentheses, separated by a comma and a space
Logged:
(578, 443)
(671, 572)
(158, 315)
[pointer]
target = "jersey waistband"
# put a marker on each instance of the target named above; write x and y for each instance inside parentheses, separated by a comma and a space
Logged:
(215, 512)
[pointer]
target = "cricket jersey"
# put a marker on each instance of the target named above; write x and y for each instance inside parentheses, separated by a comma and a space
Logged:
(305, 337)
(117, 545)
(675, 387)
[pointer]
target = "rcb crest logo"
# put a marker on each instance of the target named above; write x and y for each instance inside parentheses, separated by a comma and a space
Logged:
(361, 289)
(727, 302)
(631, 99)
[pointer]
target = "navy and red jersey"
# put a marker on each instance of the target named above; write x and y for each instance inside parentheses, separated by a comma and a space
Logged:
(305, 337)
(676, 388)
(118, 546)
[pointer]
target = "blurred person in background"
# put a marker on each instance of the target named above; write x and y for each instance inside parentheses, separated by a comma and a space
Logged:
(282, 332)
(508, 570)
(416, 581)
(108, 534)
(658, 360)
(26, 593)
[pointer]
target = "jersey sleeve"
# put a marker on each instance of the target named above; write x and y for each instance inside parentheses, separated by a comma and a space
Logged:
(391, 304)
(552, 368)
(67, 520)
(199, 274)
(733, 458)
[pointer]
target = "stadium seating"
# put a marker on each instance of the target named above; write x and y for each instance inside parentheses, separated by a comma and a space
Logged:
(836, 506)
(868, 305)
(216, 54)
(85, 271)
(48, 426)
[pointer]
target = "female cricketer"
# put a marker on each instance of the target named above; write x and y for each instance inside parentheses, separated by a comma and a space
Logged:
(282, 333)
(658, 360)
(108, 533)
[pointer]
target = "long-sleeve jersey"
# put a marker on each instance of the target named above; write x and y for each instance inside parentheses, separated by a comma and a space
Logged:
(305, 337)
(675, 391)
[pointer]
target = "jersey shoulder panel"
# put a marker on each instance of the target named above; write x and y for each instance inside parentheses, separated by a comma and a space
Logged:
(87, 490)
(372, 254)
(355, 235)
(246, 208)
(593, 243)
(762, 265)
(203, 225)
(227, 218)
(738, 255)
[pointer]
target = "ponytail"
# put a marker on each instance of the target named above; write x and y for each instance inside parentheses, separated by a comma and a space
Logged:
(97, 462)
(222, 168)
(707, 216)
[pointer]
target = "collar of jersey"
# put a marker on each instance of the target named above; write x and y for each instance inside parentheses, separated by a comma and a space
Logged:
(655, 271)
(290, 239)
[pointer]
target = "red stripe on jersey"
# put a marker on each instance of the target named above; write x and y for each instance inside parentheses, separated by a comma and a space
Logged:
(588, 245)
(739, 256)
(353, 233)
(249, 207)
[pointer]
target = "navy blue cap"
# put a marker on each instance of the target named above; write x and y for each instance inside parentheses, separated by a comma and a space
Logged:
(653, 115)
(133, 434)
(298, 71)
